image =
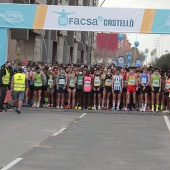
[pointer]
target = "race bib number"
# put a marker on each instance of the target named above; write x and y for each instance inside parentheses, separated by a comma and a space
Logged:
(125, 83)
(144, 81)
(132, 82)
(80, 82)
(117, 83)
(38, 82)
(50, 82)
(156, 83)
(31, 82)
(108, 81)
(167, 86)
(71, 81)
(97, 81)
(62, 81)
(87, 83)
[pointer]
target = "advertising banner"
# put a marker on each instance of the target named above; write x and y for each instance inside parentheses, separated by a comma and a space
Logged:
(114, 62)
(138, 63)
(121, 61)
(3, 45)
(81, 18)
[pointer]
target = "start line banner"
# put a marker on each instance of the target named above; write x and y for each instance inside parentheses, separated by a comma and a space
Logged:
(75, 18)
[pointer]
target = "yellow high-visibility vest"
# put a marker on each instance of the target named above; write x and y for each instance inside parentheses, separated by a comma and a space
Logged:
(6, 78)
(19, 82)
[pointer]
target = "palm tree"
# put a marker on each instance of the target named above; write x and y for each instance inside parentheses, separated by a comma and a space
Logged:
(153, 52)
(146, 50)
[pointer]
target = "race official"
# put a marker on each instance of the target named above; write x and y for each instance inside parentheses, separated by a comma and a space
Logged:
(4, 83)
(18, 86)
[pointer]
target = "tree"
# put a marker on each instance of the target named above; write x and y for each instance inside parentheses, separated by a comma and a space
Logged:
(162, 62)
(146, 50)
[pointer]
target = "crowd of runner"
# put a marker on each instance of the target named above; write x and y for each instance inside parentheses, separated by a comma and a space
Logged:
(97, 88)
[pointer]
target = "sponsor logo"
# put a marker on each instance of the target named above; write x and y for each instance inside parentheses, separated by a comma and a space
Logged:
(64, 20)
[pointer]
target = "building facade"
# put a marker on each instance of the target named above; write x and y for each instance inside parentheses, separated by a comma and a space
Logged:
(110, 48)
(65, 46)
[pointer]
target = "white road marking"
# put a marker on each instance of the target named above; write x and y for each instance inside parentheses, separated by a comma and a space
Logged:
(11, 164)
(167, 122)
(84, 114)
(42, 146)
(60, 131)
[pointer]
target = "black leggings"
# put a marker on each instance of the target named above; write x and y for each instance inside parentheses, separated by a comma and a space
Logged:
(86, 98)
(3, 91)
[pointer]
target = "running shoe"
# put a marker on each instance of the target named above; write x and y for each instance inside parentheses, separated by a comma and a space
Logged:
(89, 108)
(137, 109)
(148, 109)
(79, 108)
(107, 108)
(34, 105)
(144, 110)
(123, 109)
(102, 108)
(52, 107)
(117, 109)
(127, 110)
(94, 108)
(38, 105)
(113, 108)
(99, 108)
(19, 112)
(62, 107)
(27, 105)
(67, 107)
(57, 107)
(133, 109)
(166, 111)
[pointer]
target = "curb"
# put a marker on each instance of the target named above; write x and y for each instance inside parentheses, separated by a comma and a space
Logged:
(95, 111)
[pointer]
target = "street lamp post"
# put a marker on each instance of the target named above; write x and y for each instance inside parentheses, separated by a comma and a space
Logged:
(102, 3)
(156, 43)
(136, 45)
(162, 43)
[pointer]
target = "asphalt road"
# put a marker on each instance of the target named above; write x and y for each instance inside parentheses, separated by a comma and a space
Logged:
(46, 139)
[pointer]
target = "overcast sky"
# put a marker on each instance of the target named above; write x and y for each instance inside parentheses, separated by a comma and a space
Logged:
(145, 40)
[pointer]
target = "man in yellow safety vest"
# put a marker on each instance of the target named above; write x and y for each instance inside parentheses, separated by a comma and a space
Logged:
(19, 85)
(4, 83)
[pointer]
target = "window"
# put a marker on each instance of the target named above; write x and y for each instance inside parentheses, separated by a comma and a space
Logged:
(60, 1)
